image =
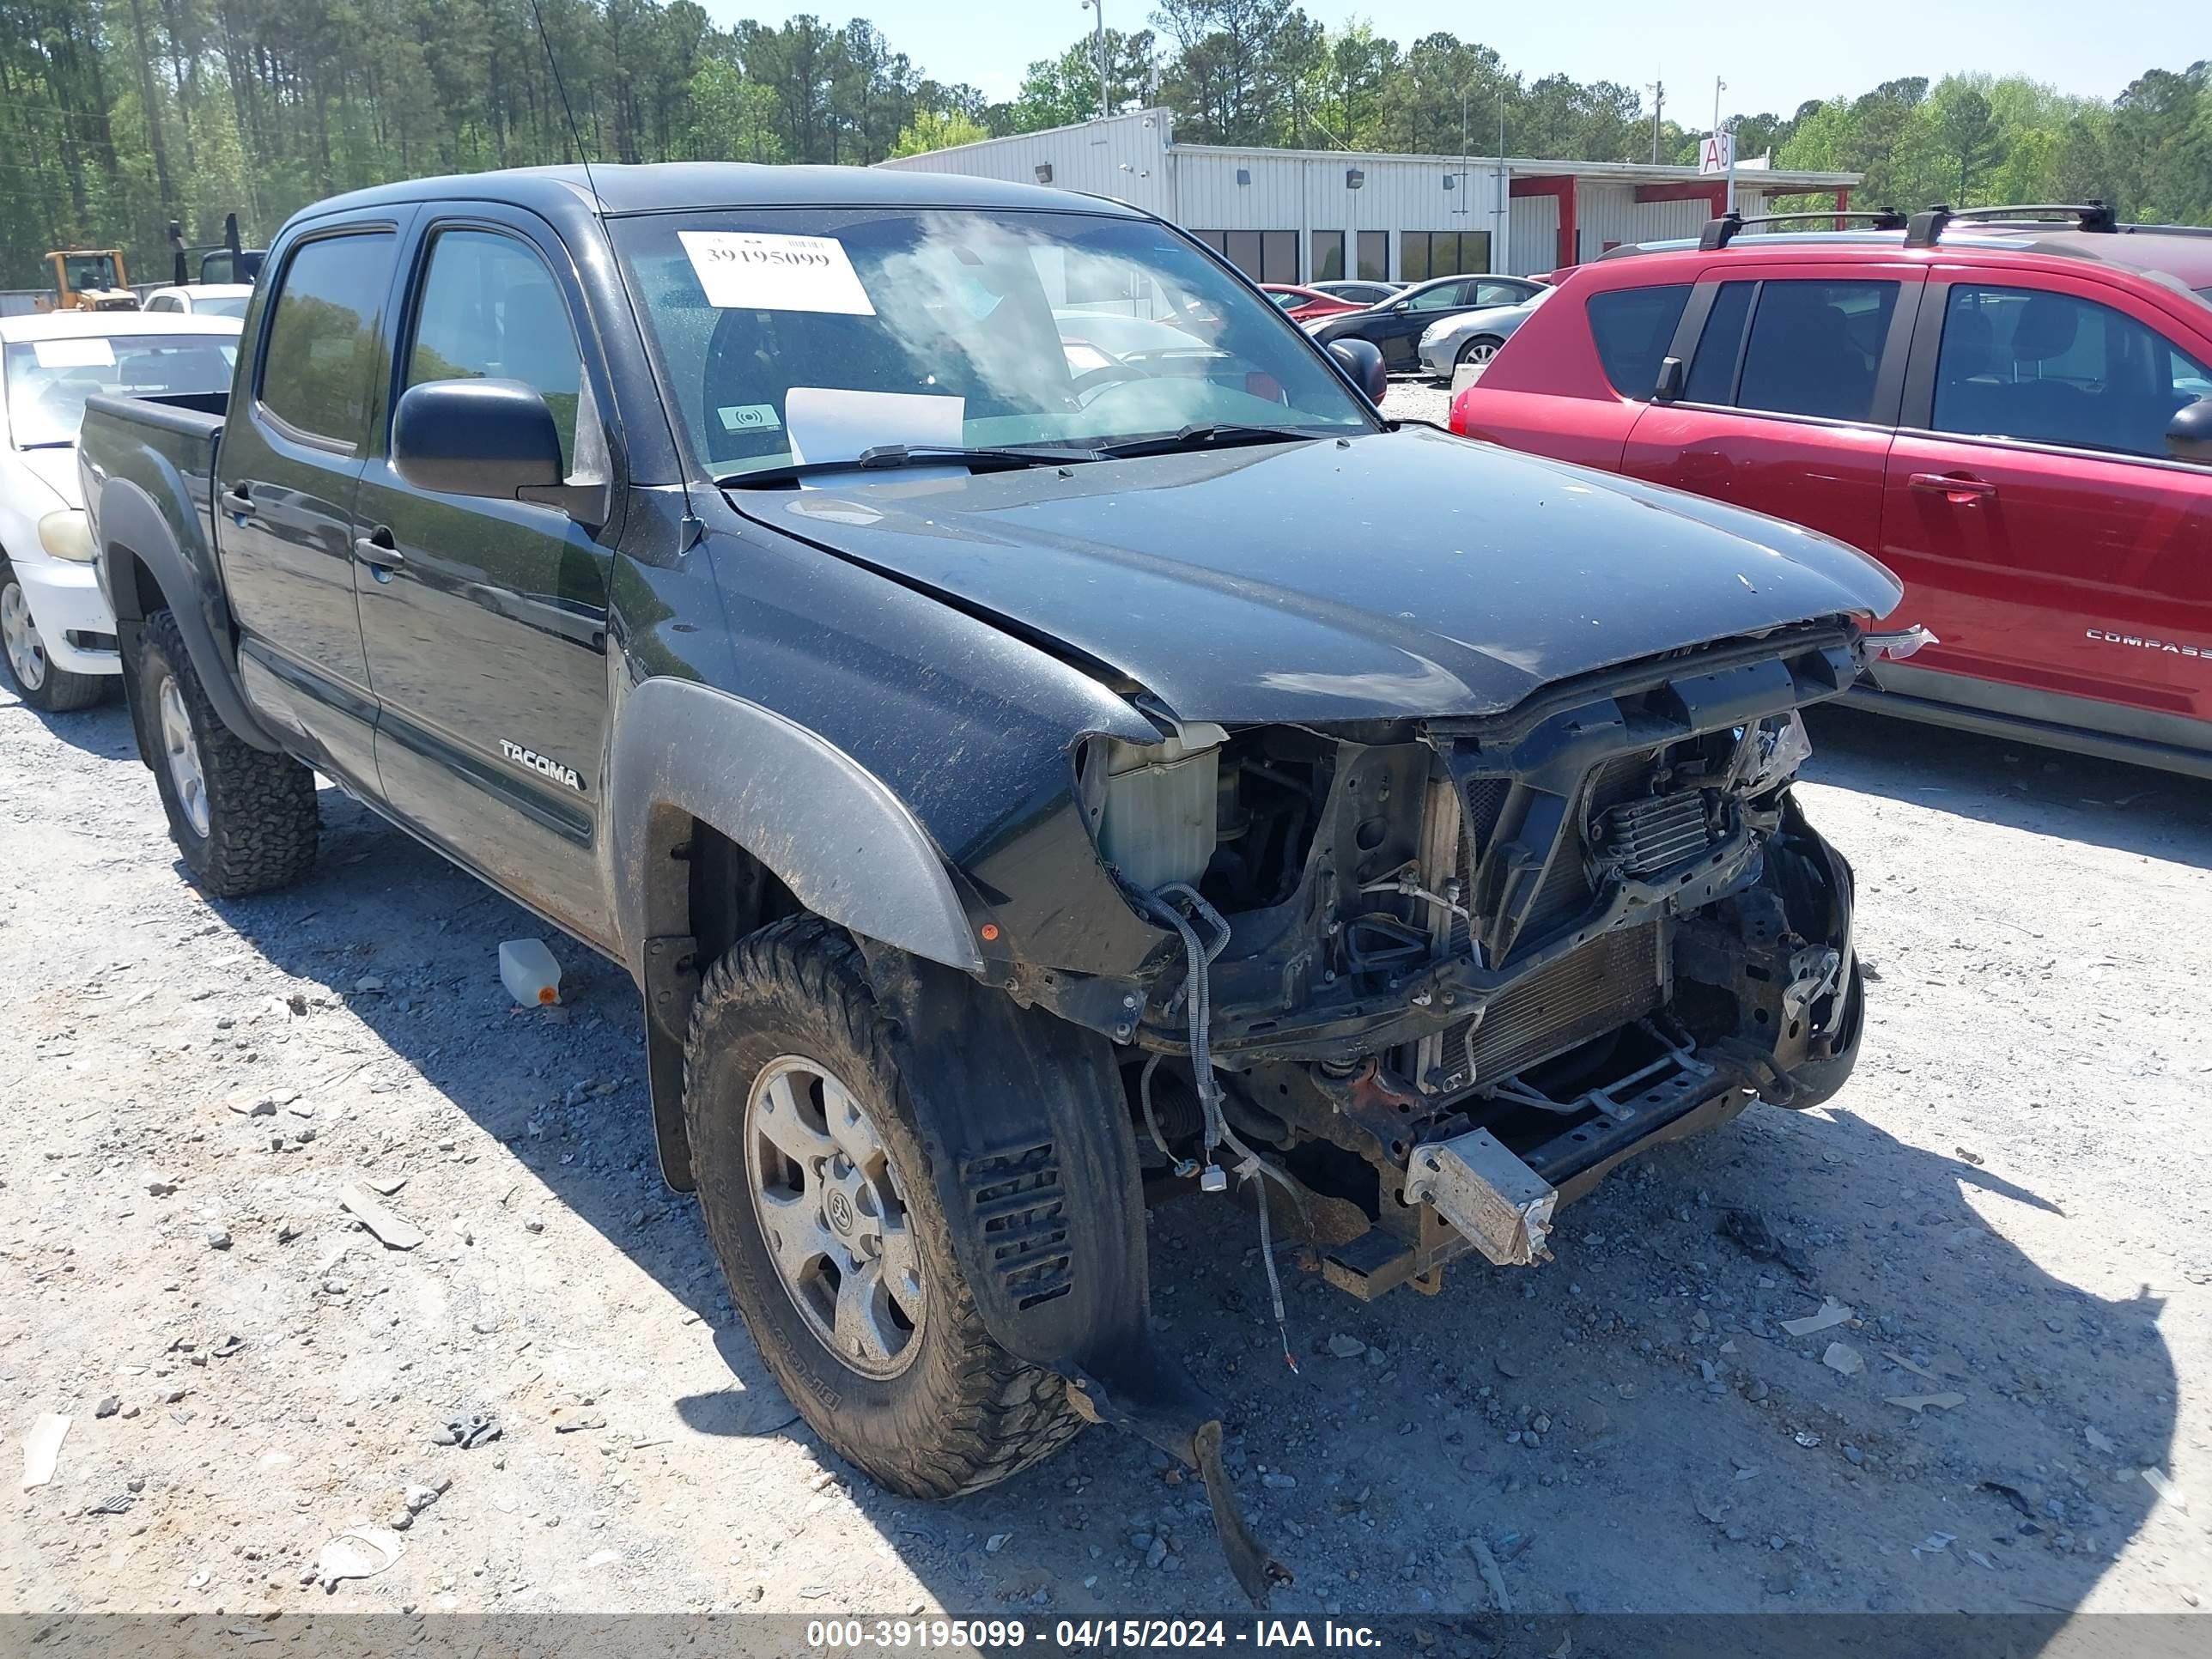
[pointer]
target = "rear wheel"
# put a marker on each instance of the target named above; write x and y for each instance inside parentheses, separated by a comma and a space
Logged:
(819, 1201)
(34, 675)
(244, 820)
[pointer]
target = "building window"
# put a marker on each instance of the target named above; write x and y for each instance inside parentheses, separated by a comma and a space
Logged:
(1327, 256)
(1426, 253)
(1374, 256)
(1265, 256)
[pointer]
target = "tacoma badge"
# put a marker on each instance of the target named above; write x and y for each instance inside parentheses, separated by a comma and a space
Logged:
(537, 762)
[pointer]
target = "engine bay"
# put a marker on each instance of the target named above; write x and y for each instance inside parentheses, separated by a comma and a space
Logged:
(1567, 937)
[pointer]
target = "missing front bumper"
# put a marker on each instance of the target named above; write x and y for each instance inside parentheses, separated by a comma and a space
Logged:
(1501, 1204)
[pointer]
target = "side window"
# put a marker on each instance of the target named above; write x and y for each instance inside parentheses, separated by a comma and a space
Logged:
(1499, 294)
(1815, 347)
(1720, 348)
(2051, 369)
(320, 363)
(1633, 327)
(1442, 297)
(163, 302)
(489, 309)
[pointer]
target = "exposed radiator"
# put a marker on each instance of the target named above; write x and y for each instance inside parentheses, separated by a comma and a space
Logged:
(1598, 986)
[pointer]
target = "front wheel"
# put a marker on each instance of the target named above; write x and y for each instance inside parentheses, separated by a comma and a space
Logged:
(38, 681)
(1478, 352)
(821, 1206)
(244, 820)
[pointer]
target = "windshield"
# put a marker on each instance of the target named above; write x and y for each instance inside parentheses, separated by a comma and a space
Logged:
(791, 335)
(90, 271)
(46, 381)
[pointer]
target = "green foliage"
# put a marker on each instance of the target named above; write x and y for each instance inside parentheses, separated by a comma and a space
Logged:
(119, 116)
(938, 128)
(1058, 92)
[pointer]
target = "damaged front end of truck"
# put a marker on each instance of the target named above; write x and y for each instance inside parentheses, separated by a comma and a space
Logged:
(1431, 981)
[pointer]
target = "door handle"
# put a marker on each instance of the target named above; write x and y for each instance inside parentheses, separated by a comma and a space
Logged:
(1959, 491)
(377, 551)
(239, 499)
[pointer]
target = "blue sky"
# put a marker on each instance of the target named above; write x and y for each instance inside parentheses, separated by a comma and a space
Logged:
(1774, 56)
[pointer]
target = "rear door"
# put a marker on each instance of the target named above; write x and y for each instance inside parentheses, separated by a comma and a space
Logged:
(288, 464)
(486, 621)
(1790, 394)
(2062, 559)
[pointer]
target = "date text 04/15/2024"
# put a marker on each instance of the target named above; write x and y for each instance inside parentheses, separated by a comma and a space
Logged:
(895, 1635)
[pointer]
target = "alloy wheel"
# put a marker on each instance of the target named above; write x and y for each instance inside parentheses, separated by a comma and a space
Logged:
(834, 1219)
(26, 652)
(182, 750)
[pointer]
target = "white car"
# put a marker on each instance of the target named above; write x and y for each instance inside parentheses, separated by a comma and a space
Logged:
(56, 627)
(203, 299)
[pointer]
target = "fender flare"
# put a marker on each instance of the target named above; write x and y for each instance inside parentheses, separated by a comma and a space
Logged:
(132, 526)
(830, 829)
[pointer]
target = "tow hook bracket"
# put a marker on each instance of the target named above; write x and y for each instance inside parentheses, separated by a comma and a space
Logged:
(1501, 1205)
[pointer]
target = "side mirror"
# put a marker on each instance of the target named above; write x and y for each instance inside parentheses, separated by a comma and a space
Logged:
(2189, 434)
(1401, 305)
(1362, 360)
(493, 438)
(1669, 385)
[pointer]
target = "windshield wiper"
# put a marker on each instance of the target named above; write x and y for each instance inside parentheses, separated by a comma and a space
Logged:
(888, 456)
(1206, 437)
(50, 443)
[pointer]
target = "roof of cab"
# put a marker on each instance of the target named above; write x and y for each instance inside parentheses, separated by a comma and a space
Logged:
(78, 324)
(662, 186)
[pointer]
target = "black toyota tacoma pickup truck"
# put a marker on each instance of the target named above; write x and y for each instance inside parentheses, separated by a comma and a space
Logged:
(1035, 733)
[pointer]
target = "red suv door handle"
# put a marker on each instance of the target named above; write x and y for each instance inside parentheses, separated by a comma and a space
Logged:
(1959, 491)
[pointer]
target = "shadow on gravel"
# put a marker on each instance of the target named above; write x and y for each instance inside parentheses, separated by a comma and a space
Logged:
(1627, 1429)
(102, 731)
(2135, 809)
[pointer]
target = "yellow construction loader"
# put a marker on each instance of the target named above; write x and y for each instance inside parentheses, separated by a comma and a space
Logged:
(88, 279)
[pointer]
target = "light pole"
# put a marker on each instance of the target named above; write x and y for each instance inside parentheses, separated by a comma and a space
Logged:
(1658, 103)
(1098, 9)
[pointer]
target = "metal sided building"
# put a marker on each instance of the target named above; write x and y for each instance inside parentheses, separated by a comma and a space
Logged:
(1298, 215)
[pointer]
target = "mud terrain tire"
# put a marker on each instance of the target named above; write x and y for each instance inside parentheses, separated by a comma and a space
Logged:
(255, 826)
(961, 1412)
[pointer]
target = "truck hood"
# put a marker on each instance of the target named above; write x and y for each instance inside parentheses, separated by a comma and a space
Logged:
(57, 469)
(1391, 575)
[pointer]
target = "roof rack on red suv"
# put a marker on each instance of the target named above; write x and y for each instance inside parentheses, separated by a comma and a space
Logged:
(1719, 233)
(1926, 227)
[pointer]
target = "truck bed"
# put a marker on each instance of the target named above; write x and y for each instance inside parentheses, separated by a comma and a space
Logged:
(164, 445)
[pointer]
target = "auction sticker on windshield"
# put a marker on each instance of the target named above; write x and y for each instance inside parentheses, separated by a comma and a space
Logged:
(95, 353)
(749, 270)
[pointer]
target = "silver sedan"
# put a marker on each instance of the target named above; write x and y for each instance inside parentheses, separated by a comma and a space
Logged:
(1473, 337)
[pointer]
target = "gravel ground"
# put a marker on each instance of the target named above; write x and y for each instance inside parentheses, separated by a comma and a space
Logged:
(1418, 398)
(2009, 1199)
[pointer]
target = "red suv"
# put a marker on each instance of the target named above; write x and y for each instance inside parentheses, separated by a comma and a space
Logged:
(2015, 417)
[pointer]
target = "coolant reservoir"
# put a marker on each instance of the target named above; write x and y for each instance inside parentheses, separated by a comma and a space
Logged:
(1161, 816)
